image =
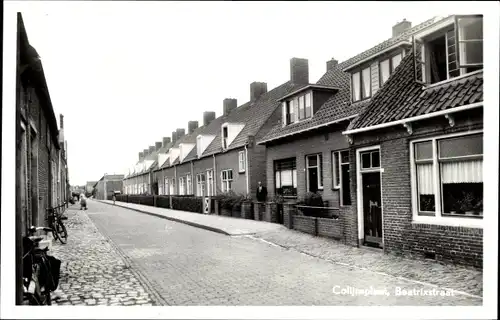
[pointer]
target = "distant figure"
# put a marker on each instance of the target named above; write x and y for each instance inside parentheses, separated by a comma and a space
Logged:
(114, 198)
(83, 202)
(261, 193)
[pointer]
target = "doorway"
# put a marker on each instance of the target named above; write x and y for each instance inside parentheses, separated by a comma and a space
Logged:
(372, 209)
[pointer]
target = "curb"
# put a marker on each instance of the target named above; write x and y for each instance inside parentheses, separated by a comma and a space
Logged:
(190, 223)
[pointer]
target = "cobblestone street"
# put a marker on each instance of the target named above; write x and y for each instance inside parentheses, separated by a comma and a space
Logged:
(176, 264)
(92, 272)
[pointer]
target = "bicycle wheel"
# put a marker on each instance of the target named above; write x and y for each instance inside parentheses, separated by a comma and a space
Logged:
(55, 234)
(62, 233)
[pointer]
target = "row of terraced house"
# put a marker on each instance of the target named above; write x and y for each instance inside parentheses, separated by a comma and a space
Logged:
(41, 159)
(392, 137)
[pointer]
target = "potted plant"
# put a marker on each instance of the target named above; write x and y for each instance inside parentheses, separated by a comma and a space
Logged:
(465, 203)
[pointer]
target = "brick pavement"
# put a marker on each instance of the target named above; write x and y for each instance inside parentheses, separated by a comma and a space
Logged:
(466, 279)
(192, 266)
(92, 272)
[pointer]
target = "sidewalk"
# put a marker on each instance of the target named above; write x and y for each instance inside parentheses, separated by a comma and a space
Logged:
(465, 279)
(225, 225)
(92, 271)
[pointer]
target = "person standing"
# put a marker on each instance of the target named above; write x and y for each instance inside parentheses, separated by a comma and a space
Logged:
(261, 193)
(114, 198)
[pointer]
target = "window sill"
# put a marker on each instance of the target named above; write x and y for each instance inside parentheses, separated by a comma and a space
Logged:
(437, 84)
(449, 221)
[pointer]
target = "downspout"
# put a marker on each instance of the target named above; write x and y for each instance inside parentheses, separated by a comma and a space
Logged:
(246, 170)
(176, 183)
(214, 186)
(192, 178)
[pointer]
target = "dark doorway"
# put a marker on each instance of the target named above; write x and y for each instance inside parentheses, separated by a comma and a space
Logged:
(372, 209)
(313, 179)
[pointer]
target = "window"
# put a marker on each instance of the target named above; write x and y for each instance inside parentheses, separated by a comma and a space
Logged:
(182, 186)
(167, 188)
(200, 185)
(189, 185)
(172, 187)
(289, 112)
(299, 108)
(341, 177)
(241, 161)
(210, 183)
(285, 173)
(308, 104)
(370, 160)
(387, 67)
(160, 188)
(361, 85)
(448, 176)
(227, 179)
(450, 52)
(224, 137)
(314, 167)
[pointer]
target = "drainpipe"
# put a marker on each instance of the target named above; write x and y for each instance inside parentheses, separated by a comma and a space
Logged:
(192, 178)
(246, 170)
(214, 186)
(176, 182)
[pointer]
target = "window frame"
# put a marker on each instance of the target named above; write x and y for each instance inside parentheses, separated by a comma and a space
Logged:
(225, 139)
(420, 44)
(338, 165)
(226, 181)
(391, 67)
(319, 169)
(361, 84)
(241, 162)
(294, 185)
(189, 186)
(438, 218)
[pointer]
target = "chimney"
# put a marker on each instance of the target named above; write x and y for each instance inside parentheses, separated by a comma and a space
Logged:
(400, 27)
(299, 71)
(192, 125)
(229, 105)
(61, 130)
(141, 156)
(166, 140)
(208, 116)
(180, 133)
(158, 145)
(151, 149)
(145, 152)
(174, 136)
(61, 121)
(257, 89)
(331, 64)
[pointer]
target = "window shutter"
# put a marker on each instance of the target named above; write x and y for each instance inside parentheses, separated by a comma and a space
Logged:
(419, 64)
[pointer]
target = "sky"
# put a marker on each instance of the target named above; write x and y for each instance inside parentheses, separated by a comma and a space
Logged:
(126, 74)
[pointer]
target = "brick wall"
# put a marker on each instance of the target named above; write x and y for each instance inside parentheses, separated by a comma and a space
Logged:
(464, 244)
(321, 142)
(304, 224)
(330, 228)
(229, 160)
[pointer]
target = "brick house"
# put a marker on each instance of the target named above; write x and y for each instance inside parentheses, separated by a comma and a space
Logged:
(417, 150)
(41, 167)
(308, 151)
(108, 184)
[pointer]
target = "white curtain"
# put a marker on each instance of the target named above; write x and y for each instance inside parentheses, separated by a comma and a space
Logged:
(425, 178)
(294, 178)
(396, 60)
(278, 179)
(470, 171)
(286, 178)
(356, 86)
(367, 81)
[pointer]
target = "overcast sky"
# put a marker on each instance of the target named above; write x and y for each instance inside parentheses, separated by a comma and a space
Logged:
(126, 74)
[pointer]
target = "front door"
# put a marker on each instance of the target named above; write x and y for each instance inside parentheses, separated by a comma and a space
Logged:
(313, 179)
(372, 209)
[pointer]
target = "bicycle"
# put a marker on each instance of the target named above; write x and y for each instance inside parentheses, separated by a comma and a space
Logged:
(40, 271)
(54, 217)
